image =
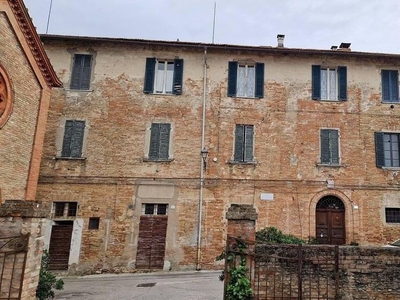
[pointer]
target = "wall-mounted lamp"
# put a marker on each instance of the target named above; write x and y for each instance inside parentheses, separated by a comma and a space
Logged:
(204, 155)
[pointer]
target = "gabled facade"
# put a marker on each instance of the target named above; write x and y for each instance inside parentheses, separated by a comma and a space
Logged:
(309, 138)
(26, 78)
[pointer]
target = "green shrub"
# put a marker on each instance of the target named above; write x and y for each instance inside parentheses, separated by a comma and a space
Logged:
(47, 280)
(272, 235)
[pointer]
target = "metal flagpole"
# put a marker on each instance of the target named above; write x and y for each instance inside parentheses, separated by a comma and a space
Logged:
(48, 18)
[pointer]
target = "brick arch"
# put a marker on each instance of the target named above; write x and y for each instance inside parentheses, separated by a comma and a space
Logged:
(6, 102)
(349, 212)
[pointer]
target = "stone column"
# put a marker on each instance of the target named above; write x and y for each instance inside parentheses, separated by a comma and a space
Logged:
(19, 217)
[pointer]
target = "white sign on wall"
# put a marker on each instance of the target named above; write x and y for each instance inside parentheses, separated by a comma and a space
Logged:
(267, 196)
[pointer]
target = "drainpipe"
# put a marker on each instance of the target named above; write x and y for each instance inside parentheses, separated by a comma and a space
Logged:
(203, 126)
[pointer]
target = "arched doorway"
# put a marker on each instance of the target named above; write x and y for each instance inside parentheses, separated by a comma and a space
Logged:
(330, 221)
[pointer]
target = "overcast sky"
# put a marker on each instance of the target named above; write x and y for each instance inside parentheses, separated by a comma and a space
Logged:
(369, 25)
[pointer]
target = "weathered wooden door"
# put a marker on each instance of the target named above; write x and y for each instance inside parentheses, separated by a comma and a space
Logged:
(60, 245)
(151, 242)
(330, 221)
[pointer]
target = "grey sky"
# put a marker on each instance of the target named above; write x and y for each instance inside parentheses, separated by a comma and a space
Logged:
(369, 25)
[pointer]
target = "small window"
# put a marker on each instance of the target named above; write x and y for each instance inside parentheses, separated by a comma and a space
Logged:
(81, 72)
(245, 80)
(65, 209)
(163, 76)
(392, 215)
(390, 86)
(244, 135)
(387, 149)
(329, 83)
(94, 223)
(329, 146)
(154, 209)
(159, 141)
(73, 138)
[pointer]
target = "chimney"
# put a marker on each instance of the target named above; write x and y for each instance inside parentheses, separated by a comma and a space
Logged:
(344, 47)
(281, 38)
(334, 48)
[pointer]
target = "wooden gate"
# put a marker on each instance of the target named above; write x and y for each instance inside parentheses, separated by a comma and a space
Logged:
(13, 253)
(60, 245)
(151, 242)
(330, 221)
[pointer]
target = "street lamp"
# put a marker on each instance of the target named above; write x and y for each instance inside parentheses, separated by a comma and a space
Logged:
(204, 155)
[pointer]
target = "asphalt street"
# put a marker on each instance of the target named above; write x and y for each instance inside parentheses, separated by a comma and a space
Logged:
(193, 285)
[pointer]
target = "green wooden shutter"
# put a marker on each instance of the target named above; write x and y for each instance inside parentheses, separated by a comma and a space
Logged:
(232, 78)
(248, 142)
(68, 131)
(154, 141)
(342, 79)
(77, 139)
(325, 152)
(239, 143)
(86, 72)
(76, 72)
(334, 146)
(316, 82)
(394, 86)
(259, 88)
(385, 85)
(149, 75)
(178, 76)
(164, 141)
(379, 150)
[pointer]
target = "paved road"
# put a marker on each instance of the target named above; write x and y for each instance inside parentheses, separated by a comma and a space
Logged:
(202, 285)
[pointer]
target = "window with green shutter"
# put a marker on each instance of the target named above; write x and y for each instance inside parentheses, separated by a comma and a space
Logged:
(329, 83)
(73, 138)
(244, 140)
(329, 146)
(81, 72)
(390, 86)
(163, 76)
(245, 80)
(387, 149)
(159, 141)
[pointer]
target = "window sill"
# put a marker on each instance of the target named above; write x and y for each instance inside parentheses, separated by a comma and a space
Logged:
(250, 163)
(78, 90)
(330, 165)
(391, 168)
(158, 160)
(69, 158)
(331, 100)
(163, 94)
(390, 102)
(245, 97)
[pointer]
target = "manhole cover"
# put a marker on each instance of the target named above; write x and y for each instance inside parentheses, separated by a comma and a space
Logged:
(147, 284)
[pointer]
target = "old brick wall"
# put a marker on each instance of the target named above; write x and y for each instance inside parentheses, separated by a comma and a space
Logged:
(286, 148)
(17, 135)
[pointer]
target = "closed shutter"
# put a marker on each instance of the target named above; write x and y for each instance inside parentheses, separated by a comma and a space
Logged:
(164, 141)
(316, 82)
(86, 72)
(81, 72)
(385, 85)
(325, 153)
(342, 78)
(73, 138)
(149, 75)
(239, 143)
(68, 131)
(178, 76)
(76, 71)
(379, 150)
(394, 86)
(259, 89)
(232, 78)
(248, 135)
(154, 141)
(334, 146)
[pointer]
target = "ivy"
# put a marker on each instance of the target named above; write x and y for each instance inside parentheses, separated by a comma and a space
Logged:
(47, 280)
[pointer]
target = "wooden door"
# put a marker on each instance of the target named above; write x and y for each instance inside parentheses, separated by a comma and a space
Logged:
(330, 225)
(60, 245)
(151, 242)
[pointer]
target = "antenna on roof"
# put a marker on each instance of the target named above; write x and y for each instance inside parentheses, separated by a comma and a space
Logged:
(215, 10)
(48, 18)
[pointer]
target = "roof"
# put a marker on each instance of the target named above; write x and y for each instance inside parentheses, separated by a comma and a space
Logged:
(34, 42)
(265, 49)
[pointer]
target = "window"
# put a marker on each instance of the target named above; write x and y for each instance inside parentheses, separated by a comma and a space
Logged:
(387, 149)
(73, 138)
(244, 143)
(329, 83)
(390, 86)
(94, 223)
(81, 72)
(65, 209)
(392, 215)
(245, 80)
(159, 141)
(154, 209)
(329, 146)
(163, 76)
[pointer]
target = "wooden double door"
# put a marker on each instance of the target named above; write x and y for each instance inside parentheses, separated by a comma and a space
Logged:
(330, 221)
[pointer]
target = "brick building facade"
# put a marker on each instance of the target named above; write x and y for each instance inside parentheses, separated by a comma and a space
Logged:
(308, 138)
